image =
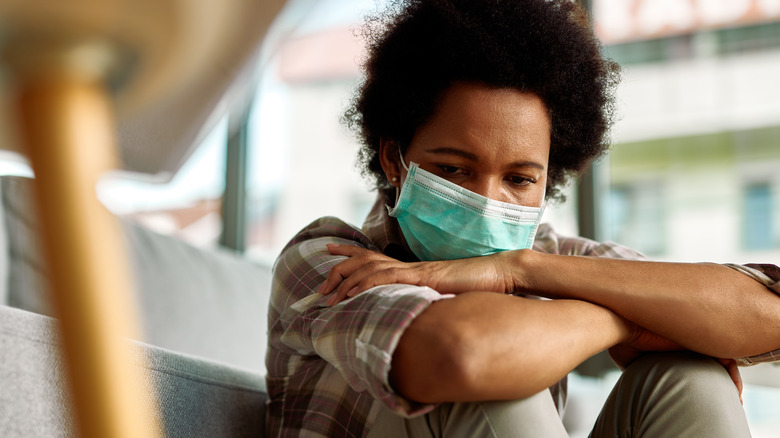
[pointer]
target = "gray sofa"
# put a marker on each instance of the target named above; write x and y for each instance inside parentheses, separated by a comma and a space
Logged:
(203, 321)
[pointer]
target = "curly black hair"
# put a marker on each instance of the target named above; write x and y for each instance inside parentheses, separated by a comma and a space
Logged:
(417, 49)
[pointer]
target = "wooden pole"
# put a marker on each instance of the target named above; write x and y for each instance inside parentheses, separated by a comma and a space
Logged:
(67, 128)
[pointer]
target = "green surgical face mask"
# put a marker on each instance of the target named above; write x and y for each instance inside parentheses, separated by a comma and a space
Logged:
(441, 220)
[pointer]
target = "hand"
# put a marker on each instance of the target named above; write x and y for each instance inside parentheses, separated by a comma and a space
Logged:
(364, 269)
(641, 341)
(644, 340)
(733, 370)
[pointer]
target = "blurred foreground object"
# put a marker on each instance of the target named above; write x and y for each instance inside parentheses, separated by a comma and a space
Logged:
(159, 72)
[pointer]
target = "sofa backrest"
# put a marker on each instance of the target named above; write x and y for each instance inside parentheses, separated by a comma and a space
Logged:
(207, 303)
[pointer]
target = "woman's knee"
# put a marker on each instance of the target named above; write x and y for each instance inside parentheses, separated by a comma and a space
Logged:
(534, 416)
(679, 368)
(684, 379)
(673, 394)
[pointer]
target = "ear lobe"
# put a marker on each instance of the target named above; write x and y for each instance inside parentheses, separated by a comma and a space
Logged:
(388, 158)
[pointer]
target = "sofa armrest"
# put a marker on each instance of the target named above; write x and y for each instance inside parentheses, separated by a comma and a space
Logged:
(196, 397)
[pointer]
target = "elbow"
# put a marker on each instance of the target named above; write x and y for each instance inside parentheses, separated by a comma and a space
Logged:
(434, 364)
(430, 362)
(454, 352)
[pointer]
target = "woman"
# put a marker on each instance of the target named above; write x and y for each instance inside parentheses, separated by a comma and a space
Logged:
(473, 114)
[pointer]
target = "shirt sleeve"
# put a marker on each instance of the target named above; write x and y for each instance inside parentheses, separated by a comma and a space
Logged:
(357, 336)
(769, 276)
(548, 241)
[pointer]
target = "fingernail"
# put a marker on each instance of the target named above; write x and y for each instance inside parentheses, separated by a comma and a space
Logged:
(352, 292)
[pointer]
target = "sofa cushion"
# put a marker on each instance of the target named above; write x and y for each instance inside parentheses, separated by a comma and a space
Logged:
(207, 303)
(204, 302)
(196, 397)
(33, 394)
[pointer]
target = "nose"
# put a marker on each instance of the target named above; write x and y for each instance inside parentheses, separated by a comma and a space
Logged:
(488, 187)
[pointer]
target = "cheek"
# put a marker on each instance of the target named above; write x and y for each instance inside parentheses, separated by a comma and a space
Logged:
(539, 192)
(536, 199)
(530, 196)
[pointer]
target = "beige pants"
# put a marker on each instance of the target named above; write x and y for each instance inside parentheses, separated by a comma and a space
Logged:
(659, 395)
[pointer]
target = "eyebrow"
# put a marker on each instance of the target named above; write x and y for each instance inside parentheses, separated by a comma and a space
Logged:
(473, 157)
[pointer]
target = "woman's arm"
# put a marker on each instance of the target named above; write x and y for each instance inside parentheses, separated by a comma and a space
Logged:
(487, 346)
(708, 308)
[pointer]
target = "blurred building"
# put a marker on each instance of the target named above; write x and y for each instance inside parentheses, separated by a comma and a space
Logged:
(695, 170)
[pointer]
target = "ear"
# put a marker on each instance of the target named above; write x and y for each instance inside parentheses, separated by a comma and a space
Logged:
(389, 158)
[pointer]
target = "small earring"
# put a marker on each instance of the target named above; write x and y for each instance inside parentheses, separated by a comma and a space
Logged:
(394, 179)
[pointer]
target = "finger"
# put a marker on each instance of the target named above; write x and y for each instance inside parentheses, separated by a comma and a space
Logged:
(343, 277)
(736, 377)
(341, 293)
(331, 281)
(336, 298)
(375, 274)
(357, 257)
(355, 282)
(360, 281)
(339, 272)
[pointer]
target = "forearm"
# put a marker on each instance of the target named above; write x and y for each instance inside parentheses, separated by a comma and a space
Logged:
(486, 346)
(707, 308)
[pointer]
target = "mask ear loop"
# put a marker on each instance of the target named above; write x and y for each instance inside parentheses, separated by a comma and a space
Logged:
(403, 163)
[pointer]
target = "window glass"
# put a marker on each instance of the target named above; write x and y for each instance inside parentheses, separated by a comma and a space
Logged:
(696, 145)
(187, 206)
(757, 223)
(637, 216)
(302, 159)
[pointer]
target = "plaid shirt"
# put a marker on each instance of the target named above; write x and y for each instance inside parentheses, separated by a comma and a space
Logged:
(328, 367)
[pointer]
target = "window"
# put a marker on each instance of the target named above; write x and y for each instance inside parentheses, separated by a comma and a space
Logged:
(636, 216)
(757, 220)
(187, 206)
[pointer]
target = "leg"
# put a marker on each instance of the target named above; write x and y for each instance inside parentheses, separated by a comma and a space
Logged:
(673, 394)
(532, 417)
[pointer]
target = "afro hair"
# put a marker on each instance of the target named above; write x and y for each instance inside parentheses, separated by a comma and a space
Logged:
(417, 49)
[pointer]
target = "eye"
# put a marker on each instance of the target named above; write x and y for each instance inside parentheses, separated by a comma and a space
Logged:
(449, 170)
(521, 180)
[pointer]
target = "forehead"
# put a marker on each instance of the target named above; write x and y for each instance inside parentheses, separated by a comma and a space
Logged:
(497, 123)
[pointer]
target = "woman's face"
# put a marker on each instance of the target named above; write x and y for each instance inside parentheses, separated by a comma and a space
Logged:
(494, 142)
